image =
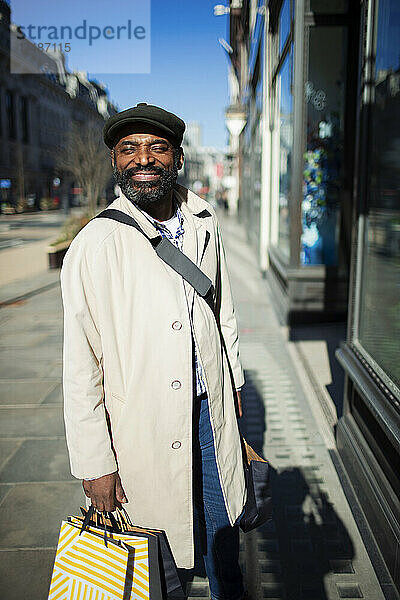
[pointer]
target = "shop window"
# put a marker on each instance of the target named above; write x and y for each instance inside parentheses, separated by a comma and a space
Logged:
(284, 94)
(379, 317)
(284, 23)
(323, 160)
(10, 114)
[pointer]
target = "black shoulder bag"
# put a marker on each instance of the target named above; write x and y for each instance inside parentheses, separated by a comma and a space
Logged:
(258, 507)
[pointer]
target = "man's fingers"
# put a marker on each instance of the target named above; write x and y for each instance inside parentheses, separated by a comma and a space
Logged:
(99, 505)
(119, 491)
(85, 489)
(105, 492)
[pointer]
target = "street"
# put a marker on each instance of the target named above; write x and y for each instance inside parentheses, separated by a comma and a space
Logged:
(23, 242)
(311, 550)
(28, 227)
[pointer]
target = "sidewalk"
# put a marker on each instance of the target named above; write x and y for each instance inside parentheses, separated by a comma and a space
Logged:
(311, 550)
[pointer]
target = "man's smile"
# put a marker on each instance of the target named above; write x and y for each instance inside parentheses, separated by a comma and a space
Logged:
(145, 176)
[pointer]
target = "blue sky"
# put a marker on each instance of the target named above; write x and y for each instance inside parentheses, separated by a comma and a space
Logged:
(188, 68)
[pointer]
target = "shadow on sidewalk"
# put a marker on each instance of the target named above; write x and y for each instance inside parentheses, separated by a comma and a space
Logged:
(328, 336)
(306, 539)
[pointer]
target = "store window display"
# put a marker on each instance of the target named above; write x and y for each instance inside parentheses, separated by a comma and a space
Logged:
(323, 159)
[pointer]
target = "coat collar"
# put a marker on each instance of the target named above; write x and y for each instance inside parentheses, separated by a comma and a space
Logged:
(193, 205)
(197, 227)
(197, 221)
(122, 203)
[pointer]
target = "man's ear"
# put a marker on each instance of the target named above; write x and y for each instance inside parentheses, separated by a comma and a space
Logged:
(181, 158)
(112, 152)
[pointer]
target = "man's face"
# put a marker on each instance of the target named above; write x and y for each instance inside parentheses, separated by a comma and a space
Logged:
(146, 167)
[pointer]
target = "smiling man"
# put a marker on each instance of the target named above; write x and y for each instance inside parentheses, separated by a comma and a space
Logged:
(151, 378)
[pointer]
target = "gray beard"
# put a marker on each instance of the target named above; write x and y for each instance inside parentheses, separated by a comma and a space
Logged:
(146, 193)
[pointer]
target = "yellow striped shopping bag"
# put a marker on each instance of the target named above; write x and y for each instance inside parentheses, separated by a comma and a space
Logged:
(91, 566)
(162, 567)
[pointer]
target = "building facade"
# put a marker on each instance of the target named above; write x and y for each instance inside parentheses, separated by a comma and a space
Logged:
(36, 113)
(319, 196)
(205, 167)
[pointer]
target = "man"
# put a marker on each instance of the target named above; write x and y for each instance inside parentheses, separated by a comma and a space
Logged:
(149, 410)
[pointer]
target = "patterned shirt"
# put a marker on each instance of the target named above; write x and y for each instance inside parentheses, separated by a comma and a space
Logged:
(177, 239)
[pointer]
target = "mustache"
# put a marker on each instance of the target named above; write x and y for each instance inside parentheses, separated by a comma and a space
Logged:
(148, 169)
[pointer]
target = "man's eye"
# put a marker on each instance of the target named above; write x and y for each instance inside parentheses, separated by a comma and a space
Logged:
(159, 148)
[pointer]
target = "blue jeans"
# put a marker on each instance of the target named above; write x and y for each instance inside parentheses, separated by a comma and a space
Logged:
(219, 541)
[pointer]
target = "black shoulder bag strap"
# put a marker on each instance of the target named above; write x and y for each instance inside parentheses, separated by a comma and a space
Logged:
(171, 255)
(257, 509)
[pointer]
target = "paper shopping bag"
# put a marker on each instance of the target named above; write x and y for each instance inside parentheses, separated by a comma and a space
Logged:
(166, 567)
(87, 568)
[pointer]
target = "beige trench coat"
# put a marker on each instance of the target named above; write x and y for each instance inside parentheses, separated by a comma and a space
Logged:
(128, 349)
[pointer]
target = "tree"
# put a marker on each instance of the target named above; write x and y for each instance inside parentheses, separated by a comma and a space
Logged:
(86, 158)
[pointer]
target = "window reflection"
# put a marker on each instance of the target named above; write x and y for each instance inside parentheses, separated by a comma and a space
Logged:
(284, 24)
(379, 327)
(323, 160)
(286, 149)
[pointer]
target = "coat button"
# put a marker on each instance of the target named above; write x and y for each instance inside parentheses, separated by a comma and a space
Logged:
(176, 445)
(176, 384)
(176, 325)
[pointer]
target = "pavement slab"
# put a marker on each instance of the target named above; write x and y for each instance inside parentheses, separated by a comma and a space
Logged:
(28, 460)
(26, 573)
(35, 511)
(7, 449)
(26, 422)
(25, 392)
(55, 396)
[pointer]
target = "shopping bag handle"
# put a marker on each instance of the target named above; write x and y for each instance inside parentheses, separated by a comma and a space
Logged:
(91, 511)
(123, 516)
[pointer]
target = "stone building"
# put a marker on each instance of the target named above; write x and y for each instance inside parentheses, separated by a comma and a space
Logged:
(36, 112)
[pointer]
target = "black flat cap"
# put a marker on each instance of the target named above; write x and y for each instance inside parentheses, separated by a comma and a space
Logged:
(150, 117)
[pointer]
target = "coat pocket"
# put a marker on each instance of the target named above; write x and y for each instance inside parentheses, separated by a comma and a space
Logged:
(115, 406)
(118, 397)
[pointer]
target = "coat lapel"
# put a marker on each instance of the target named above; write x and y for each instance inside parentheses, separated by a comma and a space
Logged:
(196, 235)
(197, 228)
(128, 207)
(189, 246)
(198, 225)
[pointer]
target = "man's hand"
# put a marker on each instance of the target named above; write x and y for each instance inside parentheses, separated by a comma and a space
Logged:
(106, 493)
(239, 403)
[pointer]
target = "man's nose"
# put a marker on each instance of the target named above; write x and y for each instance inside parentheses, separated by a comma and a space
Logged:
(144, 157)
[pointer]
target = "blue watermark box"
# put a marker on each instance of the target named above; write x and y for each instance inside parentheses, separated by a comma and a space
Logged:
(86, 35)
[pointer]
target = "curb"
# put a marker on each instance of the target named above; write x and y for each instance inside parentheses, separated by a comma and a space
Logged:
(27, 295)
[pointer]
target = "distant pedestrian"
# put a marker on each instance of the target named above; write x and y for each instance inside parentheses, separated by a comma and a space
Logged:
(143, 346)
(224, 200)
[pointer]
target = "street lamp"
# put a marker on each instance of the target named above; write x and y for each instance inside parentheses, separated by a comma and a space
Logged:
(235, 119)
(220, 10)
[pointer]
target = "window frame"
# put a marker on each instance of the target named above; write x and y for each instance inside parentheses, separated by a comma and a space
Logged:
(366, 94)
